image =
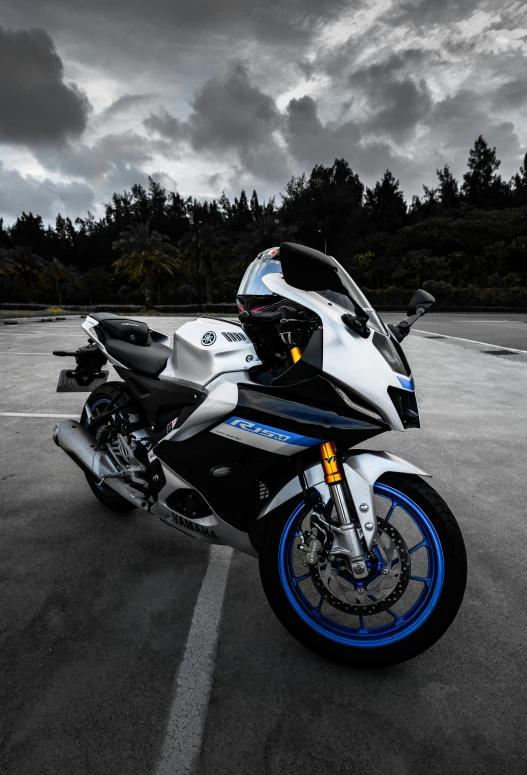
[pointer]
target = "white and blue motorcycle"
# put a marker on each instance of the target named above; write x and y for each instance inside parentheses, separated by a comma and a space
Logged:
(244, 434)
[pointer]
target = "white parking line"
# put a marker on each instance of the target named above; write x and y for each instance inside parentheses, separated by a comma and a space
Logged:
(14, 352)
(188, 713)
(474, 341)
(57, 415)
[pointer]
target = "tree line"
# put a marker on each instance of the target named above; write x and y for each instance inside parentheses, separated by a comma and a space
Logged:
(144, 249)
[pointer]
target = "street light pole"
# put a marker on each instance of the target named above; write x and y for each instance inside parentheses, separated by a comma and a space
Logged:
(325, 243)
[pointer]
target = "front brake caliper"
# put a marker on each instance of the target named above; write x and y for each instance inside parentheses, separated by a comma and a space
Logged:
(316, 543)
(310, 547)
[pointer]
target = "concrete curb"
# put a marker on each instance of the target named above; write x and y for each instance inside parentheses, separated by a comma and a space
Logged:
(52, 319)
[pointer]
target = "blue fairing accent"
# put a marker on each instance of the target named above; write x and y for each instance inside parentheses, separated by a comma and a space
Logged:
(408, 384)
(368, 637)
(286, 437)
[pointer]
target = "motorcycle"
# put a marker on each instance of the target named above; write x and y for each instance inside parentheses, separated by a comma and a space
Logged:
(244, 434)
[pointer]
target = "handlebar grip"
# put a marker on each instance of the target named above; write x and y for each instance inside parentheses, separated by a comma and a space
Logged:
(63, 353)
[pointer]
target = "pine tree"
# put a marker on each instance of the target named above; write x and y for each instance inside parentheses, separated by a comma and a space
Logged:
(448, 189)
(385, 204)
(225, 206)
(256, 210)
(157, 200)
(519, 185)
(482, 187)
(243, 204)
(140, 204)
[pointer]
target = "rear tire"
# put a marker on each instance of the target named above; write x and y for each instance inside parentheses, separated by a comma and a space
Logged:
(377, 645)
(101, 398)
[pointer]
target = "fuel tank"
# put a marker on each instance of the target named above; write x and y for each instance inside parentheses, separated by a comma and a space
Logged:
(207, 347)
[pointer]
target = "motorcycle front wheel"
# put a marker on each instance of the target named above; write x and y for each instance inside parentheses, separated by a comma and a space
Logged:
(417, 574)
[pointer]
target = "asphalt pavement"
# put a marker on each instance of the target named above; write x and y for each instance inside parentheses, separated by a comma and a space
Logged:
(97, 608)
(503, 329)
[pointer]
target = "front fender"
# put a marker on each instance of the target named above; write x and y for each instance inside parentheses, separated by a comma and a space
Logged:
(362, 469)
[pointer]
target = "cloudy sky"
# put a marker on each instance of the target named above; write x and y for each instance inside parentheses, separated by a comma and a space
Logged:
(206, 95)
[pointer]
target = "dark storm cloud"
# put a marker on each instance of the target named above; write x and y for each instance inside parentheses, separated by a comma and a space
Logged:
(45, 197)
(214, 180)
(182, 23)
(406, 104)
(434, 11)
(230, 114)
(167, 126)
(397, 102)
(108, 155)
(113, 163)
(309, 141)
(369, 104)
(512, 94)
(36, 105)
(373, 77)
(456, 121)
(125, 102)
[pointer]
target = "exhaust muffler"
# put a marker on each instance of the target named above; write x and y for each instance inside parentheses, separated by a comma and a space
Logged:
(88, 454)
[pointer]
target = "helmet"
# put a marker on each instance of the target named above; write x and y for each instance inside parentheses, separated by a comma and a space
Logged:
(253, 295)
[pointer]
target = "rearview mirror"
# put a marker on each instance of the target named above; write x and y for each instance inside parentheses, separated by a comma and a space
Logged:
(420, 299)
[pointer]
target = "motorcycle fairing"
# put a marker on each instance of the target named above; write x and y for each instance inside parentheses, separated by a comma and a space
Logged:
(213, 436)
(347, 357)
(264, 436)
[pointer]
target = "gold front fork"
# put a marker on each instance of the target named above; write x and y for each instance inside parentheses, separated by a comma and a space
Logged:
(296, 353)
(330, 463)
(352, 550)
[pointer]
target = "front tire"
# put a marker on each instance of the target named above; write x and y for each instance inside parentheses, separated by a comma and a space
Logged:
(425, 536)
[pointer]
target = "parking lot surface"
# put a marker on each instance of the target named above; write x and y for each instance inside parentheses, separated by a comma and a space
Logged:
(96, 607)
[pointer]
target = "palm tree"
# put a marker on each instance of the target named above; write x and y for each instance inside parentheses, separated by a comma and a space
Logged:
(24, 264)
(6, 264)
(146, 257)
(212, 242)
(56, 275)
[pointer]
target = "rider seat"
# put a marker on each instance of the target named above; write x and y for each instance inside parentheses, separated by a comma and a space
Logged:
(131, 343)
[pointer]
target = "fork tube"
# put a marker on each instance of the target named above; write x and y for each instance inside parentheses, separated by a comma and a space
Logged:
(333, 476)
(330, 463)
(296, 353)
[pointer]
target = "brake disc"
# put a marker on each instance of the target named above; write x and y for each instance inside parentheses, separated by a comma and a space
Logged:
(389, 573)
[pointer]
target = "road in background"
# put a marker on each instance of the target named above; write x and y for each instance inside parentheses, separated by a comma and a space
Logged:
(505, 330)
(96, 607)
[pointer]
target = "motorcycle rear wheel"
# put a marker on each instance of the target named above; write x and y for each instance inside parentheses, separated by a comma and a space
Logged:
(430, 542)
(99, 401)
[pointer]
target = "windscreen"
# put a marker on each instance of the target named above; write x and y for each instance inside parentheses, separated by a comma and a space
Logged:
(311, 270)
(252, 282)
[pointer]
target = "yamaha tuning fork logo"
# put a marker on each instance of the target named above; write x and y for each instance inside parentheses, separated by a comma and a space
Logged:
(208, 338)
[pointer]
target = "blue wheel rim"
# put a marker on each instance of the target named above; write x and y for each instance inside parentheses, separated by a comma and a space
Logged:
(401, 626)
